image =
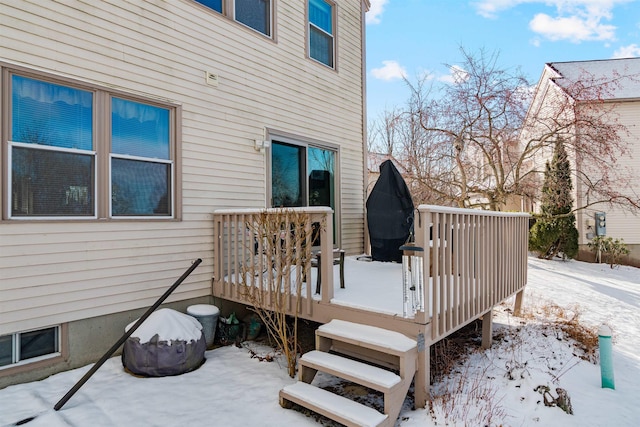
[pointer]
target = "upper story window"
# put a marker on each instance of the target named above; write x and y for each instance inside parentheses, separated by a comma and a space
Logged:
(54, 149)
(321, 32)
(212, 4)
(255, 14)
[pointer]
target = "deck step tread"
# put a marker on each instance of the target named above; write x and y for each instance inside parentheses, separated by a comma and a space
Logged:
(332, 405)
(366, 335)
(361, 373)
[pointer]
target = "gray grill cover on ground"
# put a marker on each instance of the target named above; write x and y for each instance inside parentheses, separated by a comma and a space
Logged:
(389, 214)
(158, 358)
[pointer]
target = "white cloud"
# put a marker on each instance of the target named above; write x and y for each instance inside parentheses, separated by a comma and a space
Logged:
(375, 11)
(456, 75)
(574, 20)
(631, 51)
(390, 70)
(572, 28)
(490, 8)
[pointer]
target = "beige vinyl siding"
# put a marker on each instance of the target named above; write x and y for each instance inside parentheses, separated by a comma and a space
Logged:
(622, 223)
(59, 271)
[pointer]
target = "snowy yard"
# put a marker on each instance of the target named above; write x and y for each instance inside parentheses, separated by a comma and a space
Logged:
(493, 387)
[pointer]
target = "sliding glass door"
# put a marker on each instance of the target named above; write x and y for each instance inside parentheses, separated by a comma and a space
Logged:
(303, 175)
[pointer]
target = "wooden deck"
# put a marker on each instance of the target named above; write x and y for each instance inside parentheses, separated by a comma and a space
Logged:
(472, 261)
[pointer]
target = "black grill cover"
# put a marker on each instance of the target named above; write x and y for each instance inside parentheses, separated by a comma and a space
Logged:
(389, 214)
(161, 358)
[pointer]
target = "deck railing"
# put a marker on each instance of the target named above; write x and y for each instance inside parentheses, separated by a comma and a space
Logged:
(263, 256)
(473, 259)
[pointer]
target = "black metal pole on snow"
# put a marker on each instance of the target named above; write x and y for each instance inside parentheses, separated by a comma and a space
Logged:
(122, 339)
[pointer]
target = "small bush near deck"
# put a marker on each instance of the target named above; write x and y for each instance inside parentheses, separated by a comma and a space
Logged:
(568, 321)
(283, 240)
(612, 249)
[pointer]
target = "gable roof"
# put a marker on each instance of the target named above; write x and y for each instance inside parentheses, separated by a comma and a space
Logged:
(627, 69)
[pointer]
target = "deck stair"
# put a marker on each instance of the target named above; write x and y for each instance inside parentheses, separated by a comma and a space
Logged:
(373, 357)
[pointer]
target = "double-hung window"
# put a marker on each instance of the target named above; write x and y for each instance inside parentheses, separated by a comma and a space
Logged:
(321, 32)
(255, 14)
(60, 166)
(141, 166)
(51, 150)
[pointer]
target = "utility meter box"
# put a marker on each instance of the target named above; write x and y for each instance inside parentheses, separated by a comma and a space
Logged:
(601, 224)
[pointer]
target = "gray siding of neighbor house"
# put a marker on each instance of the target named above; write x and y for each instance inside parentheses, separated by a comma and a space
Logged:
(54, 272)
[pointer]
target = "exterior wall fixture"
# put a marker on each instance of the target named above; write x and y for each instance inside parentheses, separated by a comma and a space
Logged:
(412, 279)
(262, 145)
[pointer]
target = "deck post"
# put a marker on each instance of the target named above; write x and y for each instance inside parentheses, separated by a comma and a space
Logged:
(487, 329)
(422, 381)
(325, 267)
(517, 309)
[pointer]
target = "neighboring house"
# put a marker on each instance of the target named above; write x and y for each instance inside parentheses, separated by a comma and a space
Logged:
(625, 99)
(126, 124)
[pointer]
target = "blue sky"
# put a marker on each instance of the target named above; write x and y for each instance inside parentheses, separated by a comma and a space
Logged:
(417, 37)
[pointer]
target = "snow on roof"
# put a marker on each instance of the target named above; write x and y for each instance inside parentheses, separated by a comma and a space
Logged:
(604, 69)
(169, 325)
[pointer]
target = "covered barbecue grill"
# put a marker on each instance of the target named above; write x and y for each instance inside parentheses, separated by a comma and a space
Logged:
(389, 214)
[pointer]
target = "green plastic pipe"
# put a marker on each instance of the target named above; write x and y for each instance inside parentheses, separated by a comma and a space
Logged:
(606, 357)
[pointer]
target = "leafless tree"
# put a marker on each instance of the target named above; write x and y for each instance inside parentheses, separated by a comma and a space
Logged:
(580, 115)
(382, 133)
(470, 143)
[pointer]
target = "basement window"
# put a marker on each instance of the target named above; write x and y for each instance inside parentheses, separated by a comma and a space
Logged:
(29, 346)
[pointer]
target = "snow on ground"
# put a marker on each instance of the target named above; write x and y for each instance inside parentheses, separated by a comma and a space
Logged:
(500, 386)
